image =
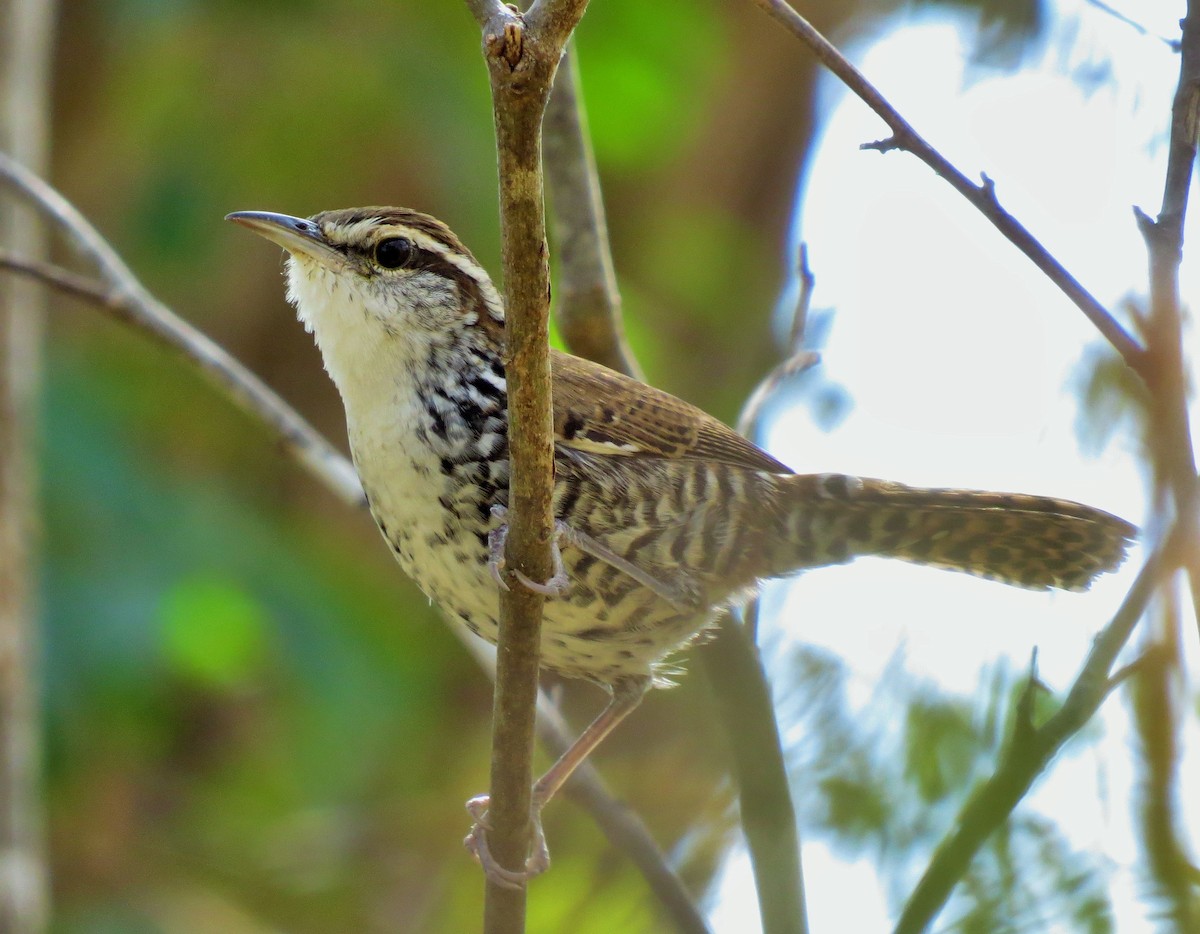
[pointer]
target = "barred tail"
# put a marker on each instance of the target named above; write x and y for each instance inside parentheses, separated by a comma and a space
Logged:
(1027, 541)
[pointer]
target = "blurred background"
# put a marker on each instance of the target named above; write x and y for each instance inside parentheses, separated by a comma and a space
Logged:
(255, 723)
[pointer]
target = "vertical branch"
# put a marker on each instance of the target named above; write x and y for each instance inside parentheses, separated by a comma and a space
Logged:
(522, 54)
(1174, 457)
(768, 816)
(1174, 469)
(25, 38)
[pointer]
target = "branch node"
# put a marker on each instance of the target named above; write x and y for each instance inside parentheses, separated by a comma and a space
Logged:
(505, 40)
(883, 145)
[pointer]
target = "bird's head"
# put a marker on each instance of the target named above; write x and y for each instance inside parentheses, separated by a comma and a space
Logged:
(380, 279)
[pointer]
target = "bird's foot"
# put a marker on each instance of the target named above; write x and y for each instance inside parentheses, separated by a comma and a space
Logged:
(477, 846)
(558, 584)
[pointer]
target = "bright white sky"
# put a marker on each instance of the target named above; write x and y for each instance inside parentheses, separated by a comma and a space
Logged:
(961, 360)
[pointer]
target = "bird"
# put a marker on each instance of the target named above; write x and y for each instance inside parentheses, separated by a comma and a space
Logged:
(664, 516)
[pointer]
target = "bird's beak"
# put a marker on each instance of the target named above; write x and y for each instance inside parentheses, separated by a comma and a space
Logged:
(298, 236)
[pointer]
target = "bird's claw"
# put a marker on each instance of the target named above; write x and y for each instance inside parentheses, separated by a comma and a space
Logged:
(477, 846)
(556, 586)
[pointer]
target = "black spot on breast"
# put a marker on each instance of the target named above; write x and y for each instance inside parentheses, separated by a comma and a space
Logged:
(438, 423)
(473, 415)
(485, 388)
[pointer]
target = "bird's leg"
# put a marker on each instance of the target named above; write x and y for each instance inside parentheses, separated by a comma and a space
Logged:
(627, 694)
(564, 534)
(589, 545)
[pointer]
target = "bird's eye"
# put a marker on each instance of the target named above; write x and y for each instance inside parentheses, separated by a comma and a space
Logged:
(394, 252)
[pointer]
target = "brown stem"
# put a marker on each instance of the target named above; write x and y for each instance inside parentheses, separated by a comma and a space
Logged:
(522, 54)
(982, 196)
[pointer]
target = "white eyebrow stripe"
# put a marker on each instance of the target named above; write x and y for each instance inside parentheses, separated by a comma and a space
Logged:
(459, 261)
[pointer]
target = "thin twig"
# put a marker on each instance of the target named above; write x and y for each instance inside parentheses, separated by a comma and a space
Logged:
(982, 196)
(587, 304)
(1120, 17)
(485, 10)
(337, 474)
(129, 299)
(1022, 762)
(798, 358)
(522, 55)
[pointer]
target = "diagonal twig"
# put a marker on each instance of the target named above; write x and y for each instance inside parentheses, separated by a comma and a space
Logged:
(982, 196)
(127, 298)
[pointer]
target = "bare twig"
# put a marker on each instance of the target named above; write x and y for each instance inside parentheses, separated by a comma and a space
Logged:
(1022, 762)
(798, 359)
(131, 304)
(982, 196)
(127, 298)
(522, 54)
(1116, 14)
(26, 34)
(587, 303)
(485, 10)
(337, 474)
